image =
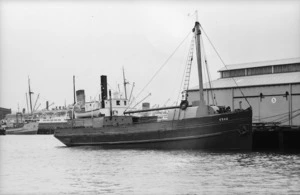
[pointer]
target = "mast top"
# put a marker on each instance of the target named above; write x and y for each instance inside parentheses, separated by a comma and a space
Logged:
(196, 15)
(196, 29)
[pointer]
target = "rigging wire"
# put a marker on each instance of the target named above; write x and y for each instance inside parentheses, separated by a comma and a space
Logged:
(224, 64)
(184, 73)
(167, 60)
(286, 117)
(179, 72)
(205, 76)
(183, 77)
(282, 118)
(285, 113)
(208, 73)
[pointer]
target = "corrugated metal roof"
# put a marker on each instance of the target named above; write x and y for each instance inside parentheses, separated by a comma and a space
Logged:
(258, 80)
(260, 64)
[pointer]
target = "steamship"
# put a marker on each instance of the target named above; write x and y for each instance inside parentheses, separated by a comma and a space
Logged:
(188, 126)
(83, 109)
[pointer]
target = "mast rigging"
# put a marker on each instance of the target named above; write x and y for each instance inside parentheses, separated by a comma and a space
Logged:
(125, 83)
(189, 62)
(30, 92)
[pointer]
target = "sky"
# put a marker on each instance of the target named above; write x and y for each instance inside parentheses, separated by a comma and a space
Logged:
(50, 41)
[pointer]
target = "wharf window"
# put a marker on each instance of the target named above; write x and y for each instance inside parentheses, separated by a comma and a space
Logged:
(233, 73)
(237, 73)
(118, 102)
(225, 74)
(287, 68)
(259, 70)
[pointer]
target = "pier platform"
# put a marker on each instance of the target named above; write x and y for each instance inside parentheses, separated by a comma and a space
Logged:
(275, 137)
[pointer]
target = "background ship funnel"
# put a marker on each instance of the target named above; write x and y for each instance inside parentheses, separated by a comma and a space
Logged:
(103, 90)
(80, 97)
(145, 106)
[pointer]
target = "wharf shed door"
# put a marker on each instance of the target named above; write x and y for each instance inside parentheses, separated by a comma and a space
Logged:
(274, 109)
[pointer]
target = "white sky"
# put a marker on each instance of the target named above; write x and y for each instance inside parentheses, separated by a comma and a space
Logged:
(50, 41)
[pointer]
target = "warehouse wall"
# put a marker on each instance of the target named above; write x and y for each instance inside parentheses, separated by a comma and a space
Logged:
(296, 104)
(274, 106)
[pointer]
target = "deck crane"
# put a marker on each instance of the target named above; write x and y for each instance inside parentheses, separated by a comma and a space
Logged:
(36, 102)
(129, 100)
(189, 62)
(38, 107)
(165, 104)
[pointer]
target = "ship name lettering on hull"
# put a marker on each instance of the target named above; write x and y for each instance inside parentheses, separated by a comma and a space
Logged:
(223, 119)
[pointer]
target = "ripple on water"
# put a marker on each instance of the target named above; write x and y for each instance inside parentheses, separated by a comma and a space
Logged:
(37, 164)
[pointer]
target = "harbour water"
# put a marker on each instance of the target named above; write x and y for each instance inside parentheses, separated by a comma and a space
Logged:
(39, 164)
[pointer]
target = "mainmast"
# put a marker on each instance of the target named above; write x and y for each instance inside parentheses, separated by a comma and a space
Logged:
(30, 92)
(197, 32)
(125, 83)
(74, 89)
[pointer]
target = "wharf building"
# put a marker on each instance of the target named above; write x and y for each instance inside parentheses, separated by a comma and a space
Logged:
(4, 112)
(272, 88)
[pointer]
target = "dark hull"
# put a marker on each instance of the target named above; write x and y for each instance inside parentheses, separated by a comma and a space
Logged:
(49, 128)
(2, 132)
(221, 131)
(33, 132)
(27, 129)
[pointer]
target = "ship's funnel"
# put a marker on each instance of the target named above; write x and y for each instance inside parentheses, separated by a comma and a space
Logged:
(145, 106)
(80, 97)
(103, 90)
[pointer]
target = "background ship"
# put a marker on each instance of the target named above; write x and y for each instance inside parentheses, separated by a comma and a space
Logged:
(196, 126)
(26, 128)
(20, 124)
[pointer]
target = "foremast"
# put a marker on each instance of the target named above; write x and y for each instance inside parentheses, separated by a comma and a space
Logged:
(197, 32)
(203, 110)
(125, 83)
(30, 92)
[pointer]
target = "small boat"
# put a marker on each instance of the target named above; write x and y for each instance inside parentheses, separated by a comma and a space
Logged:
(20, 123)
(188, 126)
(87, 110)
(24, 129)
(87, 114)
(2, 128)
